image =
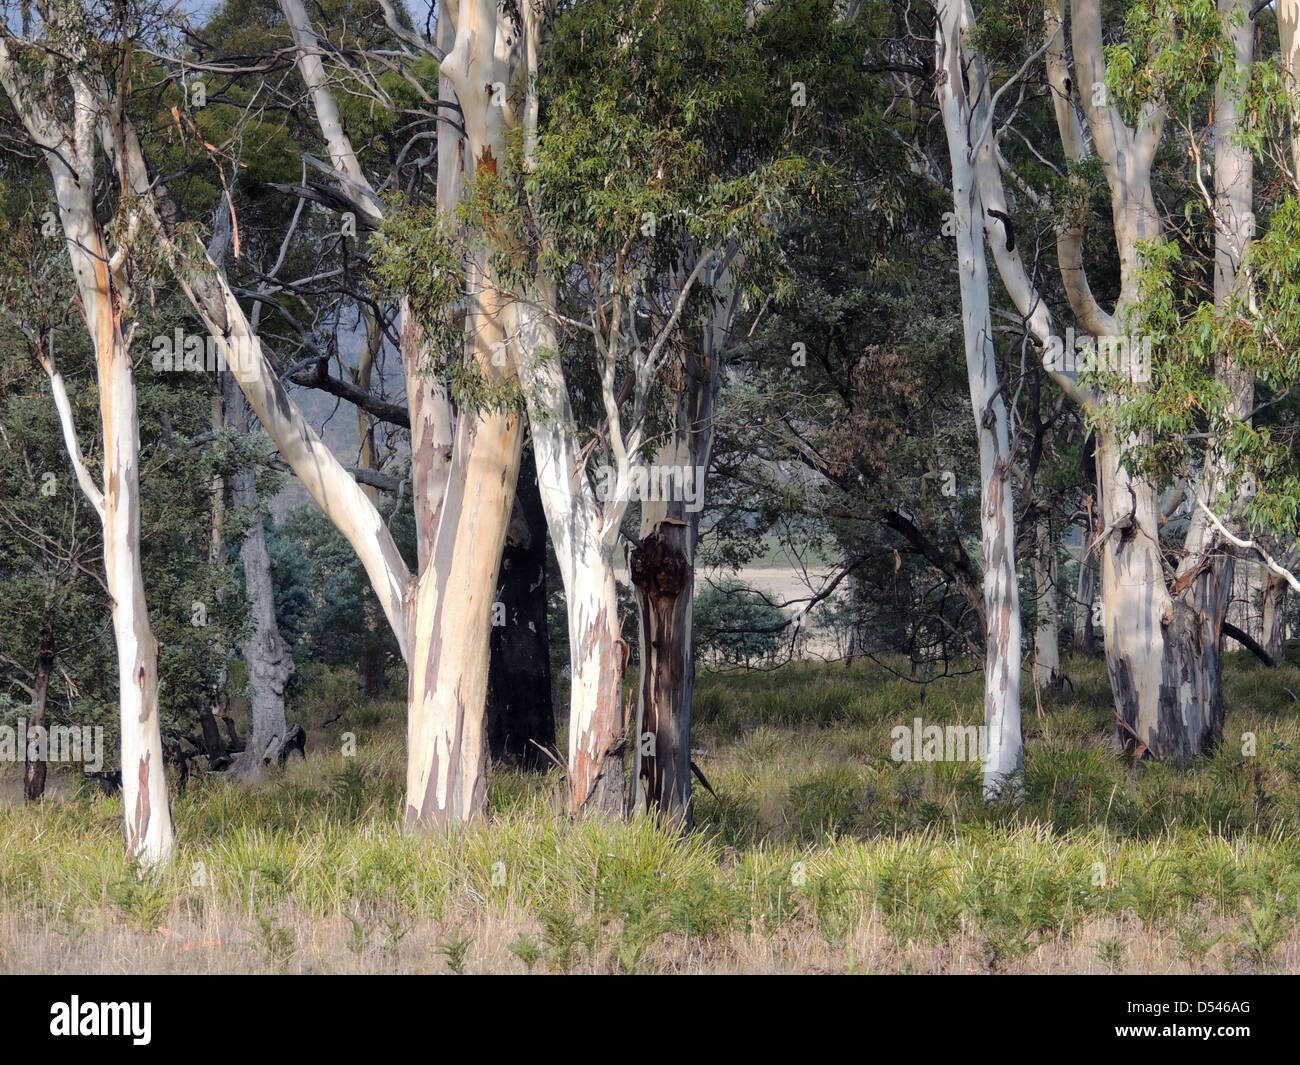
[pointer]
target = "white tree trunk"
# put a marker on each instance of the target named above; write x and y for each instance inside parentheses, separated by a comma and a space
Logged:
(446, 739)
(585, 556)
(150, 836)
(104, 294)
(1004, 760)
(598, 655)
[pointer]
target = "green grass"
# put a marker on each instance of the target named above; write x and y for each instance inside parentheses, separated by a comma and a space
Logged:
(820, 852)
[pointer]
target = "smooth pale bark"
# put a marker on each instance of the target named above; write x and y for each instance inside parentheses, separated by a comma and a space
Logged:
(103, 296)
(598, 655)
(1004, 760)
(1288, 32)
(428, 403)
(585, 530)
(1161, 644)
(463, 474)
(446, 738)
(307, 55)
(326, 480)
(1164, 702)
(150, 836)
(584, 551)
(446, 734)
(597, 652)
(1162, 638)
(1047, 634)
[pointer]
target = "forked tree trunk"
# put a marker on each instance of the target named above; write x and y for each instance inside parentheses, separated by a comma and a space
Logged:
(1004, 759)
(584, 552)
(1047, 630)
(450, 651)
(1161, 638)
(464, 476)
(104, 295)
(1204, 579)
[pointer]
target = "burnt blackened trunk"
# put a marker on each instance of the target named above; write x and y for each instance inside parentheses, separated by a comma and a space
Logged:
(34, 772)
(663, 579)
(372, 667)
(662, 574)
(520, 713)
(214, 745)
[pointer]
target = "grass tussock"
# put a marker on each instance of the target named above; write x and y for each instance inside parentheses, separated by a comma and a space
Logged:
(821, 853)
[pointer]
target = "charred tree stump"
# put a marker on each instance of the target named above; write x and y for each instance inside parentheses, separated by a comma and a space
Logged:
(662, 576)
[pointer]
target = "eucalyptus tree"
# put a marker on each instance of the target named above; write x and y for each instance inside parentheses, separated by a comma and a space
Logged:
(674, 141)
(1112, 106)
(441, 618)
(57, 108)
(968, 119)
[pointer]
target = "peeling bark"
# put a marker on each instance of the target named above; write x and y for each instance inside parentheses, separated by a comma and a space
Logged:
(964, 118)
(662, 574)
(104, 293)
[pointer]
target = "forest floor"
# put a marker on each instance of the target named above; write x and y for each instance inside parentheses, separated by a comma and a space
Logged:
(821, 853)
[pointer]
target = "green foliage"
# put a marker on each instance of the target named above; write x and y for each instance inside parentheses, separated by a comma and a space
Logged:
(735, 624)
(1167, 60)
(324, 602)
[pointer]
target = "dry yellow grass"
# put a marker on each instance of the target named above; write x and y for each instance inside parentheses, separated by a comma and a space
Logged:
(821, 855)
